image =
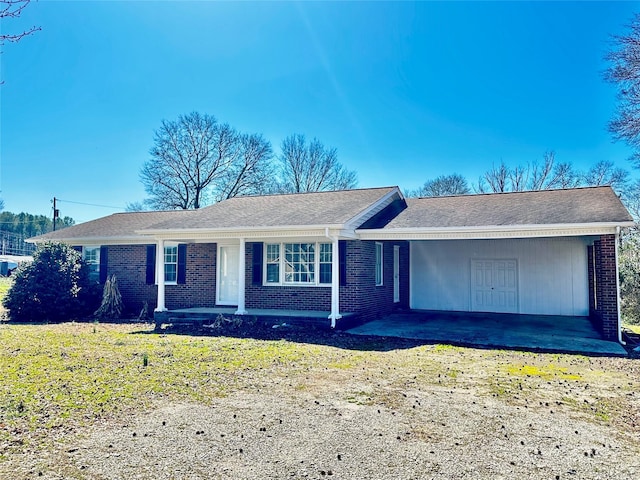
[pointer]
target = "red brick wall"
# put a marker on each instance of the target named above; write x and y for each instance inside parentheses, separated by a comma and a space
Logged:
(605, 311)
(199, 289)
(129, 264)
(360, 295)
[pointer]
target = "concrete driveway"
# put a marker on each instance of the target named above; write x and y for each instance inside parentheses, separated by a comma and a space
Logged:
(528, 332)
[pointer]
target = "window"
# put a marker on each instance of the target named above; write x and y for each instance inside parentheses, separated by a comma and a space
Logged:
(378, 264)
(273, 263)
(170, 263)
(298, 263)
(91, 257)
(325, 262)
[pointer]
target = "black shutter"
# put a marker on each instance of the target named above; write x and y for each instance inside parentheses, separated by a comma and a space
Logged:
(151, 264)
(182, 263)
(104, 262)
(342, 259)
(78, 248)
(256, 272)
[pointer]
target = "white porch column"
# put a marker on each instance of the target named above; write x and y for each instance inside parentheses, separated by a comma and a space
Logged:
(160, 275)
(241, 278)
(335, 283)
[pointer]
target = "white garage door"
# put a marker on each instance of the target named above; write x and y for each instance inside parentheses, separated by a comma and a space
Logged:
(543, 276)
(494, 286)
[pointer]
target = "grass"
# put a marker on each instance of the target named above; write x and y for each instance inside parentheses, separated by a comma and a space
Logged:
(58, 378)
(633, 328)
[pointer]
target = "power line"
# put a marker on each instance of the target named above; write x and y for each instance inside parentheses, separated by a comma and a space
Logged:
(90, 204)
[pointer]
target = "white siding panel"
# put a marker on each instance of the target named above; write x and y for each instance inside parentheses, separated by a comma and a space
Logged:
(551, 273)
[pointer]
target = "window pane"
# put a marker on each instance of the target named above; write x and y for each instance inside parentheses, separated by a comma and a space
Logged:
(92, 259)
(170, 272)
(171, 263)
(273, 273)
(299, 262)
(325, 273)
(378, 264)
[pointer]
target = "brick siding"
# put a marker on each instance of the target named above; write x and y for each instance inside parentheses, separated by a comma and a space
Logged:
(360, 295)
(128, 263)
(604, 301)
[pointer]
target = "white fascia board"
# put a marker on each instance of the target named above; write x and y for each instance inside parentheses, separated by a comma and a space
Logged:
(373, 209)
(132, 240)
(199, 234)
(498, 231)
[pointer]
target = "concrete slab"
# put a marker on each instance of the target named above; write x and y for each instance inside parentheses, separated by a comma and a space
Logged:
(529, 332)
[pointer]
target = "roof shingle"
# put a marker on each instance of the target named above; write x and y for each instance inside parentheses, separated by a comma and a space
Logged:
(546, 207)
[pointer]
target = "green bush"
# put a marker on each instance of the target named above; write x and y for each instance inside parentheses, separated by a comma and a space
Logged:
(629, 265)
(54, 287)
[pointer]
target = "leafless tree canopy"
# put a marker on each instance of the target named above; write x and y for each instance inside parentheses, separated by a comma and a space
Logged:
(195, 159)
(441, 186)
(550, 174)
(12, 9)
(624, 71)
(312, 167)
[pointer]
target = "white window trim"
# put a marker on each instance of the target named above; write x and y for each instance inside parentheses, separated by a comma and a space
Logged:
(379, 265)
(281, 274)
(164, 263)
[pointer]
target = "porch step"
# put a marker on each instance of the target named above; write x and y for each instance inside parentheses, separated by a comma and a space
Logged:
(200, 317)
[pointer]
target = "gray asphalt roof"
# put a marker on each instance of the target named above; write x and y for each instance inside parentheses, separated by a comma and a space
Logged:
(301, 209)
(119, 225)
(570, 206)
(320, 208)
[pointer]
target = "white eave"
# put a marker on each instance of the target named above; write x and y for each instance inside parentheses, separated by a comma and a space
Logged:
(124, 240)
(492, 231)
(204, 234)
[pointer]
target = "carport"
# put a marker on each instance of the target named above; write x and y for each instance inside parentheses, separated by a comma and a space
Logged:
(552, 333)
(545, 257)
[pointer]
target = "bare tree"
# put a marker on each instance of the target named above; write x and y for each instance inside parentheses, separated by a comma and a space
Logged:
(606, 173)
(13, 9)
(252, 172)
(312, 167)
(624, 72)
(495, 180)
(537, 176)
(444, 185)
(196, 159)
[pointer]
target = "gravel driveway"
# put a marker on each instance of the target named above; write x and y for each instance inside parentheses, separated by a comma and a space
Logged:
(431, 434)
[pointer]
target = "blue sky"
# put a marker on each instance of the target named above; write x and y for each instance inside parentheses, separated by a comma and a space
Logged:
(404, 91)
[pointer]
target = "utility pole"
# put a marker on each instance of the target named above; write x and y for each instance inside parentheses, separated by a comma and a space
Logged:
(56, 213)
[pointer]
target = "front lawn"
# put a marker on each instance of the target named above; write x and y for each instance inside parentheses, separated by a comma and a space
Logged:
(60, 379)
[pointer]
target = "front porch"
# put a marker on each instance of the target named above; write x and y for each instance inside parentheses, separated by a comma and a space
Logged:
(203, 316)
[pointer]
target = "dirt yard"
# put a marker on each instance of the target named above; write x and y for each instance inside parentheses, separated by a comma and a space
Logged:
(295, 404)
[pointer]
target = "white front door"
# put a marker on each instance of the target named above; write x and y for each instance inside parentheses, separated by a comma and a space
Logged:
(396, 274)
(228, 275)
(494, 286)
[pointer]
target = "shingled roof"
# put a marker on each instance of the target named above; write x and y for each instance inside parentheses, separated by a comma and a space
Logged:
(119, 225)
(317, 209)
(548, 207)
(273, 211)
